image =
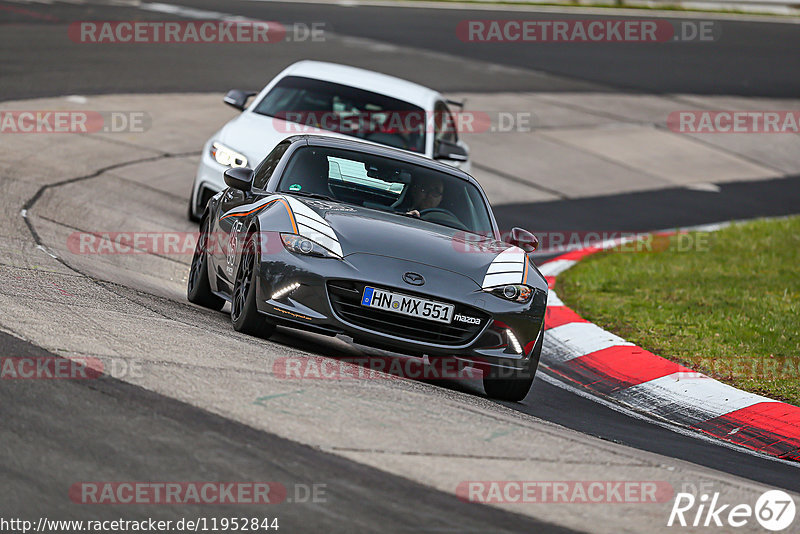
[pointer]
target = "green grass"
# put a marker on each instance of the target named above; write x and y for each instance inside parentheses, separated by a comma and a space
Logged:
(730, 309)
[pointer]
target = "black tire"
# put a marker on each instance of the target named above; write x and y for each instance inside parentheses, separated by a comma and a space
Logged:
(507, 389)
(198, 289)
(513, 386)
(244, 313)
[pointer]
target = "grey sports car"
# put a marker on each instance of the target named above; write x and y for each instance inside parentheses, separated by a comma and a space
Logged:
(392, 249)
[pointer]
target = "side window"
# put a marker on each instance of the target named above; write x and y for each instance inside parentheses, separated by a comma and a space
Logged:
(443, 123)
(267, 167)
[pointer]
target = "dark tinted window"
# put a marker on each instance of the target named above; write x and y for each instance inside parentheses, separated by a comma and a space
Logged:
(311, 104)
(387, 184)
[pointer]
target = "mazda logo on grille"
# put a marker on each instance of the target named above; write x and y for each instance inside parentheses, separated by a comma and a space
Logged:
(415, 279)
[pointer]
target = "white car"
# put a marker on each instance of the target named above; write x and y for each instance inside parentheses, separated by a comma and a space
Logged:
(326, 98)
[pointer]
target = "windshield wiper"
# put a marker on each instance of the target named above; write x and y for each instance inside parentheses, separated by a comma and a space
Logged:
(320, 196)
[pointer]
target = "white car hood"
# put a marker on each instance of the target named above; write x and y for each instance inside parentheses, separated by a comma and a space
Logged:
(255, 135)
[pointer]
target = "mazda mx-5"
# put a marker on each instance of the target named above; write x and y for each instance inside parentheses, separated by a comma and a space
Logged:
(392, 249)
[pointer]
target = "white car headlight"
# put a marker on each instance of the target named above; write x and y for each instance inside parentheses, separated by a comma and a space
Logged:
(514, 292)
(227, 156)
(301, 245)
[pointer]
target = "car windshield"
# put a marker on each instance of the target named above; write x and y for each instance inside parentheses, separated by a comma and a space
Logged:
(340, 108)
(387, 184)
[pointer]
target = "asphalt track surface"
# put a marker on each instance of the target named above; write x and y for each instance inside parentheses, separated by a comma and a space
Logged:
(663, 209)
(754, 59)
(747, 58)
(128, 433)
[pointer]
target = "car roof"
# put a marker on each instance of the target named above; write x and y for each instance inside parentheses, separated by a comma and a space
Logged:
(379, 150)
(365, 79)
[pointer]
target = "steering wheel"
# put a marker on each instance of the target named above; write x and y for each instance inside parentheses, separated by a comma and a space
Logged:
(438, 210)
(450, 217)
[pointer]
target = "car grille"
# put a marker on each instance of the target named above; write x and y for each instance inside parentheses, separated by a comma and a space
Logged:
(345, 297)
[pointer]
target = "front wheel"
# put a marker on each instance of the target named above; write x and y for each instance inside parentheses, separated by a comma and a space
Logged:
(507, 389)
(244, 313)
(513, 385)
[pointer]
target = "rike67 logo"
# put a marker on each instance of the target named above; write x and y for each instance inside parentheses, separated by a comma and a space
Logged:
(774, 510)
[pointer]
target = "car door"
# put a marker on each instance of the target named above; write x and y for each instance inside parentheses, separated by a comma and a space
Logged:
(230, 228)
(228, 234)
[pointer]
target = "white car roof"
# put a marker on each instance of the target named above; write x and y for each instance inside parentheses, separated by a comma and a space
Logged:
(365, 79)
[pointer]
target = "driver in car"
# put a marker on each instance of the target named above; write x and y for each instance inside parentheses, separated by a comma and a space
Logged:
(425, 194)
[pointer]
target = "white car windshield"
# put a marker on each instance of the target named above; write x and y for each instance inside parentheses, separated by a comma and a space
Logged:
(387, 184)
(347, 110)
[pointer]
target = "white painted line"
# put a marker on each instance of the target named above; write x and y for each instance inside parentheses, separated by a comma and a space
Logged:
(569, 341)
(553, 300)
(192, 13)
(43, 249)
(556, 267)
(704, 187)
(553, 381)
(689, 397)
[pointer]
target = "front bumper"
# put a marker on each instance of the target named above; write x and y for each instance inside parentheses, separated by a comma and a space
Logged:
(316, 305)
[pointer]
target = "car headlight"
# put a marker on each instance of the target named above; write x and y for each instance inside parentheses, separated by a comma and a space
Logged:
(514, 292)
(306, 247)
(227, 156)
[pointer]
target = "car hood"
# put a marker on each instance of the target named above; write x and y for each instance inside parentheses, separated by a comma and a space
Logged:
(367, 231)
(255, 135)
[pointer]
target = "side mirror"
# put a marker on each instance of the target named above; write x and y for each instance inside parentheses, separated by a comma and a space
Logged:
(449, 150)
(240, 178)
(524, 240)
(238, 98)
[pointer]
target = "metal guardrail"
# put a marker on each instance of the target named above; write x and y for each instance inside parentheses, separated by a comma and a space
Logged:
(781, 7)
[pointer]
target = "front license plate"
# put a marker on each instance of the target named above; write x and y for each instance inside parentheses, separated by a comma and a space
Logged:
(407, 305)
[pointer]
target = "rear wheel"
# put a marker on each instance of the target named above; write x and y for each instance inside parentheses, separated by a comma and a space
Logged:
(244, 313)
(198, 289)
(510, 384)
